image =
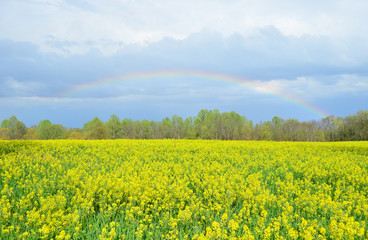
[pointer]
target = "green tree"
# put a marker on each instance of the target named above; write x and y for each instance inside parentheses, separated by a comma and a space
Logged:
(331, 126)
(290, 130)
(362, 125)
(177, 127)
(19, 130)
(265, 133)
(99, 131)
(203, 124)
(355, 127)
(189, 128)
(127, 126)
(44, 129)
(247, 130)
(233, 124)
(4, 134)
(165, 128)
(142, 129)
(95, 129)
(276, 128)
(16, 128)
(114, 127)
(58, 131)
(75, 135)
(88, 126)
(31, 134)
(70, 131)
(156, 130)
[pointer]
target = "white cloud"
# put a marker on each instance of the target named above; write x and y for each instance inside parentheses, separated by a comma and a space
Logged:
(312, 88)
(145, 21)
(13, 87)
(304, 66)
(311, 50)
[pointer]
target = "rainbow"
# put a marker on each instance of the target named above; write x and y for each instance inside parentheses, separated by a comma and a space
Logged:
(254, 85)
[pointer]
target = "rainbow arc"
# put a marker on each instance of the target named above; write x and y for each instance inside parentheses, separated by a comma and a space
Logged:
(255, 85)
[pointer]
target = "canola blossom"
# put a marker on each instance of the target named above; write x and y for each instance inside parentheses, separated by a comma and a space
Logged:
(183, 189)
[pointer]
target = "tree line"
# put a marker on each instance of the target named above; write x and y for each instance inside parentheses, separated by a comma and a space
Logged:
(208, 124)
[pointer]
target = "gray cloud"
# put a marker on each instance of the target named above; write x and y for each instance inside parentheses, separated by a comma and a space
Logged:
(327, 72)
(266, 55)
(149, 21)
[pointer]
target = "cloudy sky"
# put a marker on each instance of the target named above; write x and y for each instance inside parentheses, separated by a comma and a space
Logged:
(70, 60)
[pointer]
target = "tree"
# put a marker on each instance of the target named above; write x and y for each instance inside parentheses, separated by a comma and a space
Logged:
(4, 134)
(16, 128)
(265, 133)
(362, 125)
(310, 131)
(276, 128)
(7, 123)
(75, 135)
(208, 124)
(127, 125)
(247, 130)
(31, 134)
(69, 131)
(114, 127)
(354, 127)
(233, 125)
(330, 126)
(88, 126)
(177, 127)
(290, 130)
(44, 129)
(142, 129)
(19, 130)
(204, 123)
(156, 130)
(58, 131)
(189, 128)
(95, 129)
(256, 133)
(165, 127)
(99, 131)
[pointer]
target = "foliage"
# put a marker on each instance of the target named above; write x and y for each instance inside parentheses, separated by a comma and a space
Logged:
(13, 128)
(4, 134)
(183, 189)
(114, 127)
(31, 134)
(99, 131)
(95, 129)
(47, 130)
(75, 135)
(208, 124)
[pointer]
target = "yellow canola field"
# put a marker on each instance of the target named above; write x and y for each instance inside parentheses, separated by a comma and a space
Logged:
(183, 189)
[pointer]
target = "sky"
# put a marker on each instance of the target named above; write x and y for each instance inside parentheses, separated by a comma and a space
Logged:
(71, 60)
